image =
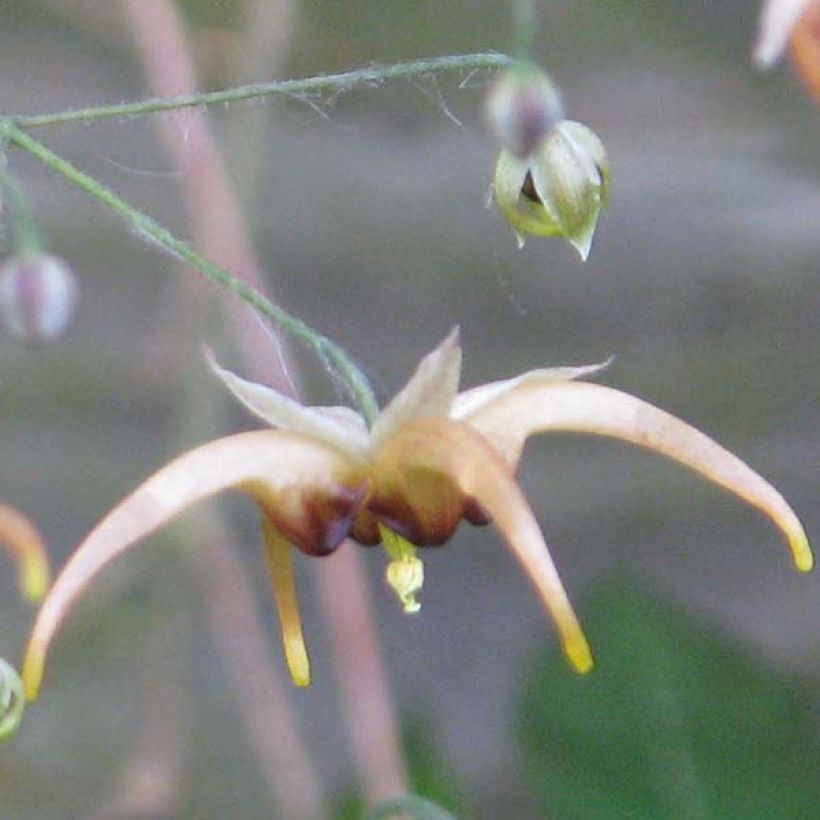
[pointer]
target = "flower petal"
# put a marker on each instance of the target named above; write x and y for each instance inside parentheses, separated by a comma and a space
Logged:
(20, 537)
(591, 408)
(430, 391)
(453, 449)
(338, 426)
(523, 211)
(805, 48)
(279, 559)
(570, 182)
(777, 21)
(470, 401)
(268, 464)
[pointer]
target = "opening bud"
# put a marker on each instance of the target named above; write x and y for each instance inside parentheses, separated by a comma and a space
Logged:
(522, 107)
(559, 189)
(38, 295)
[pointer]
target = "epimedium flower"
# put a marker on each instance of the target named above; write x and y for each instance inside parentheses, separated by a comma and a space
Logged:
(794, 24)
(558, 189)
(432, 458)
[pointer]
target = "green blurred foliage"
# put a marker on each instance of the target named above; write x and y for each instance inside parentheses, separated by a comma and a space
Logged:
(674, 722)
(430, 775)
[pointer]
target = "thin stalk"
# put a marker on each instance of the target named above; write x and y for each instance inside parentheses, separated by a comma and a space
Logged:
(343, 366)
(25, 237)
(346, 81)
(524, 27)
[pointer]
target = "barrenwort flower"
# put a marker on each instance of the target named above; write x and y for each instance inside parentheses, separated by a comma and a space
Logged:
(557, 190)
(433, 458)
(38, 294)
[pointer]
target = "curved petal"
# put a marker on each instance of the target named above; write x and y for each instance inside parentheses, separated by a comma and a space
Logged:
(453, 449)
(569, 182)
(264, 463)
(338, 426)
(279, 560)
(591, 408)
(20, 536)
(429, 391)
(471, 401)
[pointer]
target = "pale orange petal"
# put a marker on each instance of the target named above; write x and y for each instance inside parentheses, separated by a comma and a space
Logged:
(590, 408)
(429, 392)
(20, 537)
(452, 448)
(471, 401)
(279, 559)
(264, 463)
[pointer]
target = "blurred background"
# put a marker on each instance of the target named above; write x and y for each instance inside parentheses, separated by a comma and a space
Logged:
(368, 213)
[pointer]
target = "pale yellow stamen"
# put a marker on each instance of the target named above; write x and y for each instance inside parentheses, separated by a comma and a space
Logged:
(405, 572)
(279, 557)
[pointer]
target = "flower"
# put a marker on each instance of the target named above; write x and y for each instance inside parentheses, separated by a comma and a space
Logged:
(796, 24)
(21, 538)
(431, 459)
(559, 189)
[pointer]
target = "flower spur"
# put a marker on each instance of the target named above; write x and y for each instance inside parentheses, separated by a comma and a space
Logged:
(432, 458)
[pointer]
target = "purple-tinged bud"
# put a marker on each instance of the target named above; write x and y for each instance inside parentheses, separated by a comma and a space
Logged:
(38, 294)
(522, 108)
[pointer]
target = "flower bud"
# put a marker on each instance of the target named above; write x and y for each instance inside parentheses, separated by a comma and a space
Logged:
(38, 294)
(12, 700)
(559, 189)
(521, 108)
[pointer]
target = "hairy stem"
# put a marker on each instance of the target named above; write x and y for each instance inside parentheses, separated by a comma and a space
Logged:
(337, 83)
(342, 365)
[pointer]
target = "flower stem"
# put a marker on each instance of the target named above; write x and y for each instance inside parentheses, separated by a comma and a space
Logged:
(524, 30)
(345, 81)
(24, 233)
(338, 360)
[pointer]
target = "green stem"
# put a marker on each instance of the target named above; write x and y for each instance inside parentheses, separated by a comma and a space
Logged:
(335, 82)
(524, 30)
(342, 365)
(25, 235)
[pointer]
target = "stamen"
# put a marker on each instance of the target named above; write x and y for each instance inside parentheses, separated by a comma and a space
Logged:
(405, 572)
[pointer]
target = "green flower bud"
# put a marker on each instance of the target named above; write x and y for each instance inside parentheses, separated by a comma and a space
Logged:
(12, 700)
(521, 108)
(559, 189)
(38, 294)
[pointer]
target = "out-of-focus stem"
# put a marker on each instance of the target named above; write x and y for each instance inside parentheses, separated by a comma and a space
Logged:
(345, 598)
(368, 706)
(214, 212)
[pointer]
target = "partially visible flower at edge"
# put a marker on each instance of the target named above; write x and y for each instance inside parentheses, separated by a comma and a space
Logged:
(433, 458)
(796, 24)
(21, 538)
(558, 189)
